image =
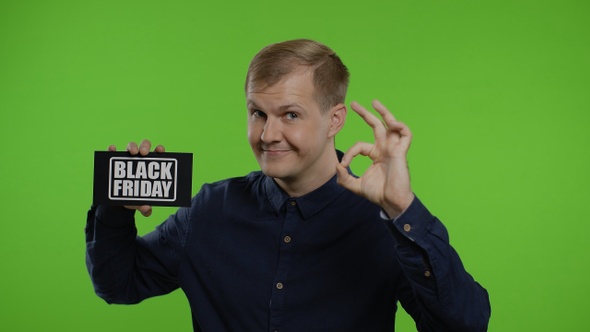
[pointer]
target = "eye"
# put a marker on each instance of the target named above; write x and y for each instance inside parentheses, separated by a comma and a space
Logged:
(258, 113)
(291, 116)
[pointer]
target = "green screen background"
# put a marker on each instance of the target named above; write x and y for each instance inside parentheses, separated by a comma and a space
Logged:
(495, 92)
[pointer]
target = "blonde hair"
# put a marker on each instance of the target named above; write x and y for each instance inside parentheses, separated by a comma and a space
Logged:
(276, 61)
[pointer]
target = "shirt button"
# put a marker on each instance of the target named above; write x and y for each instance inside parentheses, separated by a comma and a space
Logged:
(279, 285)
(293, 203)
(287, 239)
(427, 274)
(407, 227)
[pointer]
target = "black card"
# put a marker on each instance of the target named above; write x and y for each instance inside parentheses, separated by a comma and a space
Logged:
(163, 179)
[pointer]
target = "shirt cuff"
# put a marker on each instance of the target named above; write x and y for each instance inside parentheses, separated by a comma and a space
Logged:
(411, 224)
(114, 216)
(384, 215)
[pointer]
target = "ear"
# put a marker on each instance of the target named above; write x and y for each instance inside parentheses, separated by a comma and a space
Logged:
(337, 116)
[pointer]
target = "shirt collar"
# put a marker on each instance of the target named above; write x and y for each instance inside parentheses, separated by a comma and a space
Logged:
(310, 203)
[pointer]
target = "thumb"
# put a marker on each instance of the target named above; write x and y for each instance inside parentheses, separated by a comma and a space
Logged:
(145, 210)
(346, 180)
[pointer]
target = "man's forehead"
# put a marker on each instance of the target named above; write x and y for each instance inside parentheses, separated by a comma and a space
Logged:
(295, 90)
(296, 77)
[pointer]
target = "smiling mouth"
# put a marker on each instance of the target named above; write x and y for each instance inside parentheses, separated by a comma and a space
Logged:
(274, 153)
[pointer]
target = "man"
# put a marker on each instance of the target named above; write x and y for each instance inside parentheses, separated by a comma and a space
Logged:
(301, 245)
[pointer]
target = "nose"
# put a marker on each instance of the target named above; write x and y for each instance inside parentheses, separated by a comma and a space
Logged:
(271, 131)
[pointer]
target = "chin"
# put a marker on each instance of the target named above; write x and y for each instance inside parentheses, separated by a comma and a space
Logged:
(275, 171)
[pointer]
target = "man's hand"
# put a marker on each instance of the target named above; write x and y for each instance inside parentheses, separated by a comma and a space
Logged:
(143, 149)
(387, 181)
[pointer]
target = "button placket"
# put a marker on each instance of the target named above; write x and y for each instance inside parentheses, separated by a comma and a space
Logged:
(278, 296)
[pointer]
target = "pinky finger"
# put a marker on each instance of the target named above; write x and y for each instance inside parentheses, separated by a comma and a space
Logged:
(160, 149)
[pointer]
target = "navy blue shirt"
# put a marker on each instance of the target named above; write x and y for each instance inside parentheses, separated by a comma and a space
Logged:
(251, 258)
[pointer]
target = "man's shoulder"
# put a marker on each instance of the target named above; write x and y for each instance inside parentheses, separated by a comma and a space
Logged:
(251, 180)
(252, 177)
(235, 193)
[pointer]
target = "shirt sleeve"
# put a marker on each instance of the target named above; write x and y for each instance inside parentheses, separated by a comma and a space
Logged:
(125, 268)
(437, 291)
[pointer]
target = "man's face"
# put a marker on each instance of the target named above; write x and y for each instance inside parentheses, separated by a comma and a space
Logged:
(288, 133)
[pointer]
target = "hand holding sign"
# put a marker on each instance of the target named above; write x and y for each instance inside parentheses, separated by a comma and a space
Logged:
(143, 149)
(138, 179)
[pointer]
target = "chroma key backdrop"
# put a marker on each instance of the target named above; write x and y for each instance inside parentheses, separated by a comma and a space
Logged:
(496, 94)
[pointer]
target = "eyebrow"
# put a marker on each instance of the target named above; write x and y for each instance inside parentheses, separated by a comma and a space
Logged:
(282, 108)
(290, 106)
(251, 104)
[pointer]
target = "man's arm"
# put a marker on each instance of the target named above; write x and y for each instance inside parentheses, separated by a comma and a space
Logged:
(125, 268)
(439, 294)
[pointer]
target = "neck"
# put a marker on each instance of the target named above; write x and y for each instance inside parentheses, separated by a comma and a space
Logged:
(297, 187)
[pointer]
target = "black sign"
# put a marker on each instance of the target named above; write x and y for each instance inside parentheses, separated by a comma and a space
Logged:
(156, 179)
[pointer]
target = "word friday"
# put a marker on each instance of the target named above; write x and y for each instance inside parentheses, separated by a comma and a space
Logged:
(139, 179)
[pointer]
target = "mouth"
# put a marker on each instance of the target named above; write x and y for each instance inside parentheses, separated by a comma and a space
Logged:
(274, 153)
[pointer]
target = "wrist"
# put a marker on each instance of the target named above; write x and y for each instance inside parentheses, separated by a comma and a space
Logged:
(397, 207)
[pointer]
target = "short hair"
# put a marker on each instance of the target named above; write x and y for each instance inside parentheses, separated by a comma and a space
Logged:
(276, 61)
